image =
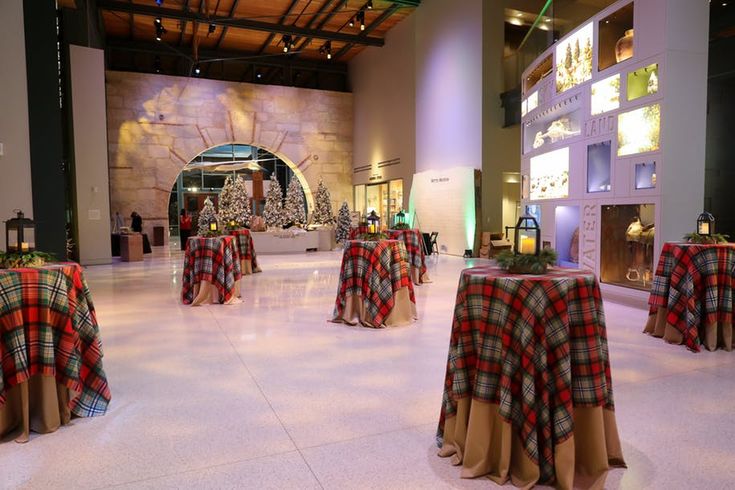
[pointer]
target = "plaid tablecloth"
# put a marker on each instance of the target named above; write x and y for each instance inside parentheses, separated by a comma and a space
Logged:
(244, 243)
(694, 285)
(215, 260)
(534, 345)
(48, 327)
(414, 246)
(357, 231)
(375, 271)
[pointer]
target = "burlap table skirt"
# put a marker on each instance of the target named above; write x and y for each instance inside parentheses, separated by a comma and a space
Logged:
(403, 312)
(206, 293)
(485, 444)
(417, 277)
(246, 267)
(40, 405)
(712, 336)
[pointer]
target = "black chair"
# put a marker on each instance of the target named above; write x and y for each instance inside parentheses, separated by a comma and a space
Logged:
(434, 247)
(430, 245)
(426, 243)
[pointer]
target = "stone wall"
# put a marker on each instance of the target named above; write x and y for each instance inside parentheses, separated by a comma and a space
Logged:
(156, 124)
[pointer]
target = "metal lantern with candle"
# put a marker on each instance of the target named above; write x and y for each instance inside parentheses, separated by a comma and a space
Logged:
(20, 233)
(527, 239)
(706, 224)
(399, 223)
(373, 221)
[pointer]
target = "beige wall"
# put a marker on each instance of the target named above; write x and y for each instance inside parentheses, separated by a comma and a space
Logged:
(157, 124)
(15, 162)
(90, 154)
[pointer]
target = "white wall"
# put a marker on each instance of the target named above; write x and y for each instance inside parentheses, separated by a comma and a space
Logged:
(15, 163)
(449, 44)
(92, 188)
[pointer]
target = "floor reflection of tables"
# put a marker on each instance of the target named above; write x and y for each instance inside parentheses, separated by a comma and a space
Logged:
(51, 350)
(691, 299)
(375, 287)
(528, 389)
(211, 271)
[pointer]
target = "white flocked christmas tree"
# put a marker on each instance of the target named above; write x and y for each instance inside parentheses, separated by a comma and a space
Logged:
(323, 214)
(234, 203)
(344, 223)
(293, 207)
(207, 216)
(273, 211)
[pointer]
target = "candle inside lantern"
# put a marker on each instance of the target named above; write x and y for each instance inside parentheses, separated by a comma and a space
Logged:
(24, 247)
(213, 226)
(704, 228)
(528, 245)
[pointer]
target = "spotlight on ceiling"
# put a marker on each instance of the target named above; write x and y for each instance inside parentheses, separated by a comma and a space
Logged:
(159, 2)
(369, 5)
(212, 27)
(157, 64)
(326, 50)
(197, 69)
(288, 42)
(352, 22)
(361, 19)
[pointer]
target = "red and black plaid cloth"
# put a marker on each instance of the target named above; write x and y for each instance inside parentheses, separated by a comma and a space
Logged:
(534, 345)
(375, 271)
(244, 243)
(414, 246)
(215, 260)
(358, 231)
(48, 327)
(695, 283)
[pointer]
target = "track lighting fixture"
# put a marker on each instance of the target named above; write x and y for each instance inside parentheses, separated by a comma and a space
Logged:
(361, 19)
(197, 69)
(326, 50)
(369, 5)
(212, 27)
(159, 2)
(288, 42)
(352, 22)
(160, 31)
(157, 64)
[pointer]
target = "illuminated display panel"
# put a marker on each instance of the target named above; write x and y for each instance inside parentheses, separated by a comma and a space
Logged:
(574, 59)
(638, 130)
(605, 95)
(550, 175)
(532, 101)
(643, 82)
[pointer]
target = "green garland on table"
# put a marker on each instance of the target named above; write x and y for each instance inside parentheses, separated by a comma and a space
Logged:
(526, 264)
(373, 237)
(214, 234)
(401, 226)
(15, 260)
(706, 239)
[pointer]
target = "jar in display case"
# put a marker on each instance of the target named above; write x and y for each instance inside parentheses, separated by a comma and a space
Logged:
(624, 47)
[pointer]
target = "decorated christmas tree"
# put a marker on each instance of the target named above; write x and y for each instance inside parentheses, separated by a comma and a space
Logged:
(206, 216)
(323, 214)
(234, 203)
(293, 208)
(273, 211)
(344, 223)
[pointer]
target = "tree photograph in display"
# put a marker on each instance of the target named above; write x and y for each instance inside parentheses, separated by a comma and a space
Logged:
(574, 59)
(638, 130)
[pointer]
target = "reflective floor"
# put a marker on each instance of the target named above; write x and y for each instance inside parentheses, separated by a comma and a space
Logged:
(268, 394)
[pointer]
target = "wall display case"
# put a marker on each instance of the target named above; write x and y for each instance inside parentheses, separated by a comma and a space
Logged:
(616, 35)
(645, 175)
(605, 95)
(550, 175)
(566, 219)
(599, 159)
(638, 130)
(643, 82)
(574, 59)
(627, 248)
(542, 70)
(555, 124)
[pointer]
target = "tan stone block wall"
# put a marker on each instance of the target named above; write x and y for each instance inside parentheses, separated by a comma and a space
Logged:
(157, 124)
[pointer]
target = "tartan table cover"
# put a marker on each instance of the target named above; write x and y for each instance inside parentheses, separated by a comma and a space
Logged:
(246, 249)
(694, 283)
(534, 345)
(215, 260)
(375, 271)
(357, 231)
(49, 327)
(414, 246)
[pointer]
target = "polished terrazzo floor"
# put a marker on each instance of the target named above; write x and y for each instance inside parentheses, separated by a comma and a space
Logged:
(267, 394)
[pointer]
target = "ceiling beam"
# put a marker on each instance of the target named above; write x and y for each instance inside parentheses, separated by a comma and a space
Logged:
(374, 25)
(184, 8)
(253, 25)
(224, 29)
(228, 56)
(283, 19)
(326, 19)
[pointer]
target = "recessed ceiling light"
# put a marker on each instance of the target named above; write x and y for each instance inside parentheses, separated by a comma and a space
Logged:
(547, 20)
(519, 14)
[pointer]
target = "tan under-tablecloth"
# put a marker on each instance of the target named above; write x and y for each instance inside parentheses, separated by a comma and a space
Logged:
(403, 312)
(485, 444)
(246, 266)
(206, 293)
(39, 404)
(712, 336)
(417, 277)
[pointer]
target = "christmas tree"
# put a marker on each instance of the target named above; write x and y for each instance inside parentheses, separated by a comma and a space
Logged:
(234, 203)
(293, 208)
(323, 214)
(344, 223)
(273, 212)
(206, 216)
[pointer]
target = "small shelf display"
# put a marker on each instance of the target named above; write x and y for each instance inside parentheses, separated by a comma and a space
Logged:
(598, 166)
(555, 124)
(616, 36)
(643, 82)
(541, 71)
(605, 95)
(550, 175)
(574, 59)
(645, 175)
(567, 235)
(638, 130)
(628, 233)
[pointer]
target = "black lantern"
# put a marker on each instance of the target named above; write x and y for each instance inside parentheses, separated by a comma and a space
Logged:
(527, 236)
(400, 218)
(20, 234)
(705, 224)
(373, 222)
